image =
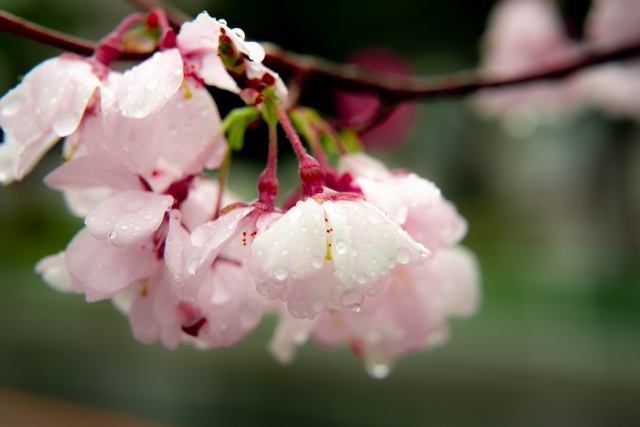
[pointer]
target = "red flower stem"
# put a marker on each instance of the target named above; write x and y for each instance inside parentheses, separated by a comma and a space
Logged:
(283, 117)
(223, 172)
(268, 181)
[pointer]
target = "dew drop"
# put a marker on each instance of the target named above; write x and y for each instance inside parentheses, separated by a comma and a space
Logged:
(238, 32)
(12, 107)
(93, 218)
(316, 262)
(285, 251)
(295, 213)
(378, 371)
(386, 233)
(124, 227)
(315, 230)
(138, 114)
(361, 278)
(319, 304)
(354, 250)
(148, 217)
(403, 256)
(280, 273)
(152, 83)
(113, 234)
(392, 263)
(177, 71)
(222, 21)
(356, 308)
(256, 51)
(317, 216)
(136, 228)
(133, 206)
(351, 297)
(374, 216)
(341, 246)
(65, 124)
(194, 264)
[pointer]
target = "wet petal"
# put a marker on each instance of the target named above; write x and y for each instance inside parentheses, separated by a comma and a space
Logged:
(128, 217)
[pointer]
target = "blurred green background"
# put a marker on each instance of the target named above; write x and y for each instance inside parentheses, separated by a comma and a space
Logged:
(554, 218)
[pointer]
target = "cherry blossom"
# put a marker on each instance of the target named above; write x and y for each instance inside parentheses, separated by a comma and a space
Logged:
(341, 261)
(409, 315)
(525, 36)
(322, 254)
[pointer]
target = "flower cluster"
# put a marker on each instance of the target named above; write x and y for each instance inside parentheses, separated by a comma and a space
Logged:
(359, 256)
(525, 36)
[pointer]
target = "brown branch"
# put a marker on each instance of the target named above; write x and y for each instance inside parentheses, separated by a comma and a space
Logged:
(10, 23)
(355, 79)
(343, 76)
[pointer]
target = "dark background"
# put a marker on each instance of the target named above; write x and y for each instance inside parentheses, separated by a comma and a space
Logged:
(554, 219)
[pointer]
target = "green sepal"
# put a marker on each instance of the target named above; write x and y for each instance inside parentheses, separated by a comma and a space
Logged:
(350, 139)
(236, 123)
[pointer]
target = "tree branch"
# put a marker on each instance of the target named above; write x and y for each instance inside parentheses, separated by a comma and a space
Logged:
(10, 23)
(343, 76)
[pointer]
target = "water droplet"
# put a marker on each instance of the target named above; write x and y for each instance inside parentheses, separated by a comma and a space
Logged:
(136, 228)
(386, 233)
(65, 124)
(93, 218)
(113, 234)
(285, 251)
(238, 32)
(317, 216)
(341, 246)
(315, 230)
(12, 106)
(319, 304)
(177, 71)
(222, 21)
(378, 370)
(374, 261)
(316, 262)
(133, 206)
(304, 228)
(403, 256)
(374, 216)
(54, 100)
(354, 250)
(295, 213)
(207, 41)
(124, 227)
(361, 278)
(256, 51)
(356, 308)
(392, 262)
(259, 252)
(194, 264)
(148, 217)
(138, 114)
(280, 273)
(152, 83)
(351, 297)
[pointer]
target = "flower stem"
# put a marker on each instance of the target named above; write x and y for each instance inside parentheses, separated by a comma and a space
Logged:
(311, 173)
(268, 182)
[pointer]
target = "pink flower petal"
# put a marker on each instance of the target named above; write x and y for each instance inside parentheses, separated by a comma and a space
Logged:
(54, 272)
(147, 87)
(128, 217)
